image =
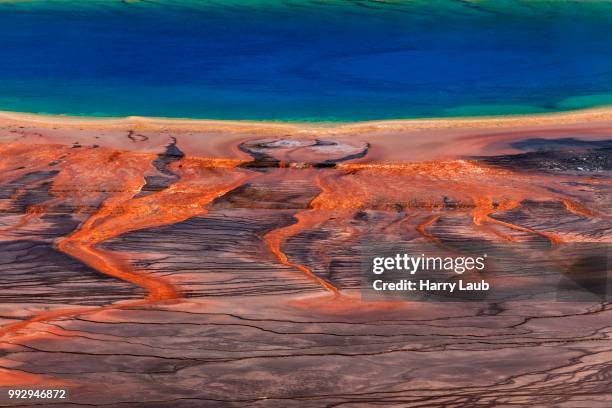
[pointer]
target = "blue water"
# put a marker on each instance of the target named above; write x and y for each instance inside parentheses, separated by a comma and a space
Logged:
(304, 60)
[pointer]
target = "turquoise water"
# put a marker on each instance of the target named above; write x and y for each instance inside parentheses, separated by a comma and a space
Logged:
(304, 60)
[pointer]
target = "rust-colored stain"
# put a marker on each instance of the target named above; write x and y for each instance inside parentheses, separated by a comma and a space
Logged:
(104, 191)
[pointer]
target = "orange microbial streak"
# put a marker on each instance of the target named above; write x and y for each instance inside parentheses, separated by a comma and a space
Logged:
(201, 181)
(422, 228)
(305, 220)
(12, 378)
(484, 209)
(105, 183)
(475, 187)
(275, 238)
(17, 161)
(485, 189)
(119, 180)
(577, 209)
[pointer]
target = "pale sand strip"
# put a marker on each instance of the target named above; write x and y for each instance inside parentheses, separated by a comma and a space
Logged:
(557, 118)
(391, 141)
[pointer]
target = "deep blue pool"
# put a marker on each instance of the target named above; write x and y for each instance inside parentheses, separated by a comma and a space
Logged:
(304, 60)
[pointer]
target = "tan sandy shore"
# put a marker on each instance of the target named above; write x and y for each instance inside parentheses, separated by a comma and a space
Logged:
(393, 140)
(558, 118)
